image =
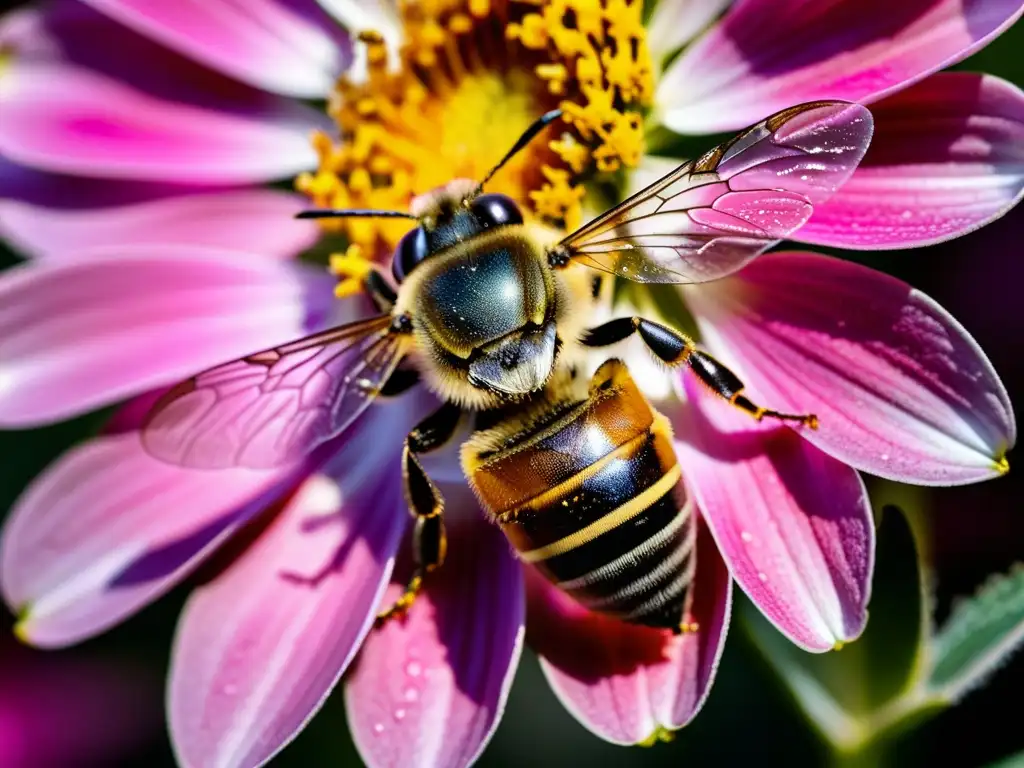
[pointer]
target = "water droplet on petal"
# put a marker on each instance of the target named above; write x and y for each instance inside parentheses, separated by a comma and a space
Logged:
(378, 728)
(411, 694)
(414, 669)
(762, 576)
(399, 715)
(747, 536)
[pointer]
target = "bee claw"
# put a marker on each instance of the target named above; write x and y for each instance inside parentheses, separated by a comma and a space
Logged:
(402, 604)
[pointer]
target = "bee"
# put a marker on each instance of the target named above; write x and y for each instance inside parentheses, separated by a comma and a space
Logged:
(580, 474)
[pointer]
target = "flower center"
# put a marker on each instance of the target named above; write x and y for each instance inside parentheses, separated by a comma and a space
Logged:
(471, 75)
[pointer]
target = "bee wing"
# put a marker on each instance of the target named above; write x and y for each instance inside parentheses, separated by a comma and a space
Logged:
(714, 214)
(275, 406)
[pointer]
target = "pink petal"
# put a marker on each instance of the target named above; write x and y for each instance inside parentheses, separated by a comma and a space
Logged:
(626, 682)
(768, 55)
(947, 157)
(77, 335)
(260, 647)
(285, 47)
(428, 690)
(675, 22)
(259, 221)
(62, 192)
(900, 388)
(75, 709)
(107, 529)
(793, 524)
(69, 119)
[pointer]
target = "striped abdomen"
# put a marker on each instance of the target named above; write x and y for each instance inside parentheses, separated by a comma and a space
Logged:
(592, 495)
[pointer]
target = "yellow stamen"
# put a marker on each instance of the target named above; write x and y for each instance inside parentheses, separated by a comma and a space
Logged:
(352, 267)
(471, 76)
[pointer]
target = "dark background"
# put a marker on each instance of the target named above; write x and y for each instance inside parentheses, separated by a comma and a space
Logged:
(976, 530)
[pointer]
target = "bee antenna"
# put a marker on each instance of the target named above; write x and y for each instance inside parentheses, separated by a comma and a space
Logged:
(340, 213)
(529, 134)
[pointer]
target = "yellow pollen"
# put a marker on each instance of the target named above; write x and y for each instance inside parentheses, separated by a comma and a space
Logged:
(471, 76)
(352, 267)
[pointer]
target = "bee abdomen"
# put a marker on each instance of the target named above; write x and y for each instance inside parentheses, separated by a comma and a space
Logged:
(595, 500)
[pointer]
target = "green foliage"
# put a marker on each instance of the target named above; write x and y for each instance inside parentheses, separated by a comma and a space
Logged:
(981, 633)
(901, 671)
(843, 693)
(1013, 761)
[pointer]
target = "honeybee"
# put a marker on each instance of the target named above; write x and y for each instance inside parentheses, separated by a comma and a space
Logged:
(580, 475)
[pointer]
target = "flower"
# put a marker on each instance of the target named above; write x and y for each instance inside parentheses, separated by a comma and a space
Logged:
(64, 711)
(135, 189)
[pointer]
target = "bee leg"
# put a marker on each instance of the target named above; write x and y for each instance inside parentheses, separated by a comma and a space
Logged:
(675, 348)
(400, 382)
(727, 384)
(426, 504)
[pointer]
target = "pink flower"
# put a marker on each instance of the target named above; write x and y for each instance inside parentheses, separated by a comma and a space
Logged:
(64, 711)
(130, 164)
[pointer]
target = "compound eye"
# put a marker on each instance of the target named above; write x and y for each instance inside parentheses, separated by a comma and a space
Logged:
(412, 249)
(496, 210)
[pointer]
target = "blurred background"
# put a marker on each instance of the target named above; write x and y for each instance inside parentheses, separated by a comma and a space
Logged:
(110, 690)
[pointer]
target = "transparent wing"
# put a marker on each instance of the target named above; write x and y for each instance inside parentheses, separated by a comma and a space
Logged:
(275, 406)
(714, 214)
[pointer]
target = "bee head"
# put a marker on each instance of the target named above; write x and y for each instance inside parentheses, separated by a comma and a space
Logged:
(449, 215)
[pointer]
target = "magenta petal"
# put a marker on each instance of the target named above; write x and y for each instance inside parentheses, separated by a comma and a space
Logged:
(625, 682)
(900, 388)
(270, 44)
(947, 157)
(793, 524)
(96, 708)
(259, 648)
(69, 119)
(429, 690)
(107, 529)
(259, 221)
(766, 56)
(80, 334)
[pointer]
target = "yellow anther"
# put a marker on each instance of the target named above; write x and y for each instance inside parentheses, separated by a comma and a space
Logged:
(575, 155)
(442, 111)
(352, 267)
(531, 32)
(460, 24)
(554, 74)
(559, 199)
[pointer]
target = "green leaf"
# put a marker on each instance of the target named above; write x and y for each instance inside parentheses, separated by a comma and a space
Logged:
(980, 634)
(852, 695)
(1013, 761)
